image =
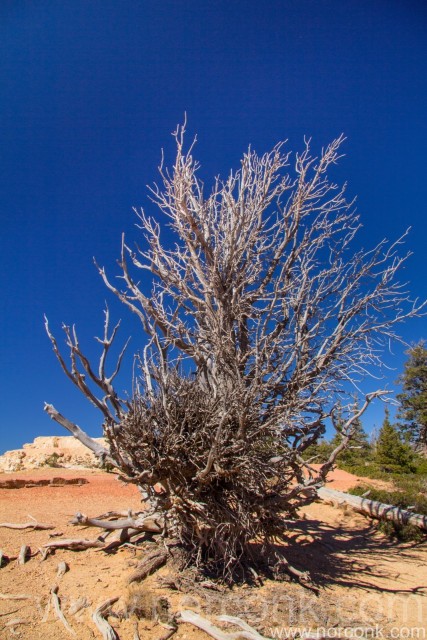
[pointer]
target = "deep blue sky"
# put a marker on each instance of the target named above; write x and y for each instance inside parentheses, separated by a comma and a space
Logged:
(89, 93)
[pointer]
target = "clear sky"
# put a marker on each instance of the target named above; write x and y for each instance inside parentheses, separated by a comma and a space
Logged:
(89, 93)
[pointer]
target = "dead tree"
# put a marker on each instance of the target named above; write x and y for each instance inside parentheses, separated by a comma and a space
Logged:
(262, 319)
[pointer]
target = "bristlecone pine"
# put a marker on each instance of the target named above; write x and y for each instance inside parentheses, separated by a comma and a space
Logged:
(260, 323)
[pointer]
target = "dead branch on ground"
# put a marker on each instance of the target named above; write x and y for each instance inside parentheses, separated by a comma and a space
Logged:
(62, 569)
(78, 544)
(99, 619)
(197, 620)
(27, 525)
(58, 611)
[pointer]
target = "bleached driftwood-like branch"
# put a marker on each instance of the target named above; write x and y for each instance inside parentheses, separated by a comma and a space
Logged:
(99, 619)
(58, 611)
(100, 451)
(148, 565)
(81, 372)
(141, 522)
(74, 544)
(24, 553)
(247, 632)
(31, 524)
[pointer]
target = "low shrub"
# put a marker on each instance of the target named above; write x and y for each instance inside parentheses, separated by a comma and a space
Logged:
(52, 460)
(366, 470)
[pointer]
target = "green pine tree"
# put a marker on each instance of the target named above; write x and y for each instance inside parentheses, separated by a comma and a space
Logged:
(413, 399)
(391, 453)
(318, 452)
(359, 448)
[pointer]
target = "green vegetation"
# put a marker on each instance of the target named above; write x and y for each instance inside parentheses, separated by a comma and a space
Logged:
(409, 491)
(52, 460)
(413, 399)
(356, 454)
(358, 451)
(391, 454)
(319, 452)
(393, 457)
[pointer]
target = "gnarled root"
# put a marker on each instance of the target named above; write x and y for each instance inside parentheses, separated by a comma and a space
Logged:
(31, 524)
(247, 631)
(151, 563)
(58, 611)
(103, 625)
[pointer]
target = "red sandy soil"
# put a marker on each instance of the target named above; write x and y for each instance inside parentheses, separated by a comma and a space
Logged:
(364, 579)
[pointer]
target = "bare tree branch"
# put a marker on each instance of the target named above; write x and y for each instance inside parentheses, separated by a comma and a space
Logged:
(100, 451)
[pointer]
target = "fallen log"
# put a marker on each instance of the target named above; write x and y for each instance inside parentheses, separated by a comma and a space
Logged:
(121, 537)
(373, 508)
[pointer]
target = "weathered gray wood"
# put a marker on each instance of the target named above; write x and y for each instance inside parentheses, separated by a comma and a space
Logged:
(27, 525)
(75, 545)
(373, 508)
(58, 611)
(24, 553)
(62, 569)
(144, 523)
(247, 632)
(100, 451)
(103, 625)
(151, 563)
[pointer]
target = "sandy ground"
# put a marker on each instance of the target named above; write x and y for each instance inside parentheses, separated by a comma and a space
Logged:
(365, 581)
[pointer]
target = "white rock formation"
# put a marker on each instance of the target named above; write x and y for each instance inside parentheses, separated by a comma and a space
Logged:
(61, 451)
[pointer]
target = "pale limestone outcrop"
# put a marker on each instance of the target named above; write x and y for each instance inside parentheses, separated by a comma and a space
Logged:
(63, 451)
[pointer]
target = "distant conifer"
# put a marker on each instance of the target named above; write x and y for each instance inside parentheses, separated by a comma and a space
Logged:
(391, 453)
(413, 399)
